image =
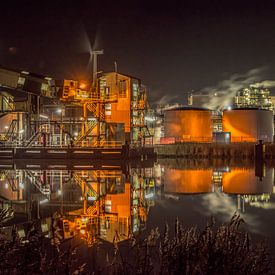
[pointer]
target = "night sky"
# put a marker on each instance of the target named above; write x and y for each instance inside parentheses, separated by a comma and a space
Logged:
(174, 47)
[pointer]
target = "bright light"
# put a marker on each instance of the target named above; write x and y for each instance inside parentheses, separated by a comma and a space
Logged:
(43, 201)
(21, 185)
(82, 85)
(91, 119)
(6, 127)
(215, 94)
(149, 196)
(229, 108)
(59, 192)
(82, 231)
(75, 134)
(151, 119)
(59, 111)
(21, 131)
(6, 185)
(43, 116)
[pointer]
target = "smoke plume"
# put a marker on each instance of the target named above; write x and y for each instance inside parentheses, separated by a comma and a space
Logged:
(222, 95)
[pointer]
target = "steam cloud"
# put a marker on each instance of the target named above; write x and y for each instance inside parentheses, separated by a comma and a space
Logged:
(222, 95)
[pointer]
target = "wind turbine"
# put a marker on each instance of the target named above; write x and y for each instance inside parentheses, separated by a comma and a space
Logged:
(92, 51)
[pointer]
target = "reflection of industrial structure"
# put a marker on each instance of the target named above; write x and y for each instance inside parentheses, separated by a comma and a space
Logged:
(106, 204)
(187, 181)
(198, 177)
(115, 209)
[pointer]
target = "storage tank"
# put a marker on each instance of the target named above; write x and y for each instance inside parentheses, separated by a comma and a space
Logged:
(248, 125)
(193, 181)
(188, 124)
(244, 181)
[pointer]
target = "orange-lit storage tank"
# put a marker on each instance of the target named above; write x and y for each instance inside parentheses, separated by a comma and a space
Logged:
(188, 181)
(244, 181)
(248, 125)
(188, 124)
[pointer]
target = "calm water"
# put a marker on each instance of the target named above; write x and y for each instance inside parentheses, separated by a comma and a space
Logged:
(116, 201)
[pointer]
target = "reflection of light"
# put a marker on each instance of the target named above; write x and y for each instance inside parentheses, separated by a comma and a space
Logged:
(6, 127)
(43, 201)
(91, 198)
(81, 198)
(229, 108)
(91, 119)
(21, 131)
(6, 186)
(43, 116)
(75, 134)
(149, 196)
(21, 185)
(82, 85)
(151, 119)
(59, 192)
(82, 231)
(59, 111)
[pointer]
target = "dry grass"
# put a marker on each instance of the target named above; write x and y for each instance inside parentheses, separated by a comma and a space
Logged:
(224, 249)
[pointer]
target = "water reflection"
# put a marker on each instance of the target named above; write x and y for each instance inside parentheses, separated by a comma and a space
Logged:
(113, 203)
(251, 184)
(108, 204)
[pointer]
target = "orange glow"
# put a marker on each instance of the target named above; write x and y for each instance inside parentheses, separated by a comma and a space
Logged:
(244, 181)
(82, 85)
(248, 125)
(188, 125)
(188, 181)
(120, 203)
(120, 110)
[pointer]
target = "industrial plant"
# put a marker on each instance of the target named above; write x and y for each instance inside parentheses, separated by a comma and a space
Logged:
(111, 115)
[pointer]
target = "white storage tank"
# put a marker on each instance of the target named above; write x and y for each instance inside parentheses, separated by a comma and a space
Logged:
(188, 124)
(248, 125)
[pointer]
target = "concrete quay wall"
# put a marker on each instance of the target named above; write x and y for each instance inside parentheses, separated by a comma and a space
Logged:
(207, 150)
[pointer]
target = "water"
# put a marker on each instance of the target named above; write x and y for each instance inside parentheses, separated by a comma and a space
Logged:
(115, 201)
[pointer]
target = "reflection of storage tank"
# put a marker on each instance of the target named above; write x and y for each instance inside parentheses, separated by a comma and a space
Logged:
(244, 181)
(188, 124)
(248, 125)
(188, 181)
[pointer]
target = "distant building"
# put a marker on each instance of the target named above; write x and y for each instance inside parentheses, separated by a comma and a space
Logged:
(253, 97)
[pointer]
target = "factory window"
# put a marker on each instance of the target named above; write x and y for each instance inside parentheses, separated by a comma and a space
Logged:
(122, 89)
(44, 87)
(21, 81)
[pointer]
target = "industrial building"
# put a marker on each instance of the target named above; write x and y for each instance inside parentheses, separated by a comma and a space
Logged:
(253, 97)
(112, 110)
(39, 111)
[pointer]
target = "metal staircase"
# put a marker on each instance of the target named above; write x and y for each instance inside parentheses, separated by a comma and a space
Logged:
(9, 134)
(43, 188)
(90, 126)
